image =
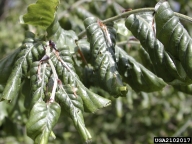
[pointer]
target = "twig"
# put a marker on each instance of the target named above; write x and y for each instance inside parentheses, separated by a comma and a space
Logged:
(55, 78)
(122, 15)
(127, 42)
(81, 54)
(183, 17)
(125, 14)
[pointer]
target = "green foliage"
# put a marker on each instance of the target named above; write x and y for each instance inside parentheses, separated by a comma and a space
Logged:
(176, 39)
(136, 75)
(61, 36)
(42, 119)
(103, 57)
(73, 105)
(58, 75)
(38, 90)
(166, 66)
(42, 13)
(5, 67)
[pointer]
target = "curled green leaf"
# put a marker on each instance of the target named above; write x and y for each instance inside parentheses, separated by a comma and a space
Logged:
(38, 82)
(66, 72)
(102, 47)
(73, 104)
(29, 51)
(165, 66)
(136, 75)
(174, 36)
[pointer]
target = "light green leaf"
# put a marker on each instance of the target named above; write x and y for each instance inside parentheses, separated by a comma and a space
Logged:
(82, 13)
(121, 28)
(42, 13)
(119, 107)
(42, 119)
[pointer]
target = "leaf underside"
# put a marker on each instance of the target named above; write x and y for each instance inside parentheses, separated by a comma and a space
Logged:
(42, 13)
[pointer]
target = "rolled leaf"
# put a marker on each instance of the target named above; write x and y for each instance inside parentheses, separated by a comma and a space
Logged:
(38, 83)
(14, 82)
(136, 75)
(29, 51)
(166, 66)
(73, 104)
(66, 72)
(102, 44)
(174, 36)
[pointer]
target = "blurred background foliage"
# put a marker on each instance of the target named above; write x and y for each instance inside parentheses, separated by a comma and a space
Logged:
(134, 119)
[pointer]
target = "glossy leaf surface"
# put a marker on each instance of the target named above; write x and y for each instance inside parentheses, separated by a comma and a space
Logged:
(166, 66)
(102, 47)
(61, 37)
(66, 72)
(174, 36)
(136, 75)
(42, 119)
(73, 104)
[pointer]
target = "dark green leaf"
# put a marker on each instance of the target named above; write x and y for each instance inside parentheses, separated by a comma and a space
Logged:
(148, 17)
(165, 66)
(61, 37)
(42, 119)
(102, 43)
(38, 82)
(67, 75)
(29, 51)
(186, 89)
(6, 66)
(136, 75)
(13, 84)
(73, 104)
(174, 36)
(145, 58)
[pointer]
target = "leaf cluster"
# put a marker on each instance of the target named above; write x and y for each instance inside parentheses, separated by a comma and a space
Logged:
(60, 73)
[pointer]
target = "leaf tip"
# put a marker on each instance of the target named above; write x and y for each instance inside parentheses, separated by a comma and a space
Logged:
(89, 141)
